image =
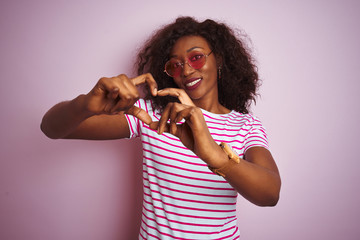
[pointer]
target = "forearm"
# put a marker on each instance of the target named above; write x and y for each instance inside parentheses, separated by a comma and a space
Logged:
(64, 117)
(255, 183)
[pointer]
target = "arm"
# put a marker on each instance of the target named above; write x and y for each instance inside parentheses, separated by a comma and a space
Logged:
(100, 113)
(256, 177)
(71, 120)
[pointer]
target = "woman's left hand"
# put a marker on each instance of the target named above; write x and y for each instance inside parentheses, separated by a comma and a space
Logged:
(193, 133)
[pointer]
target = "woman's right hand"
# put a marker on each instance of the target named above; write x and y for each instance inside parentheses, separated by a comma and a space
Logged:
(118, 94)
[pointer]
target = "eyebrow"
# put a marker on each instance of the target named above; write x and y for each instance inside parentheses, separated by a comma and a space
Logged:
(189, 50)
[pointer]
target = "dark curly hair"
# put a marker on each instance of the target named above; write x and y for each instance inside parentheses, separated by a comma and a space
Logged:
(239, 78)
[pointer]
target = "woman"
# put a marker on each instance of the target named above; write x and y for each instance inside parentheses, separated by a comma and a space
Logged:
(190, 181)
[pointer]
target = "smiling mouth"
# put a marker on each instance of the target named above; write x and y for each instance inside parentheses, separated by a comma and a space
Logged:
(192, 83)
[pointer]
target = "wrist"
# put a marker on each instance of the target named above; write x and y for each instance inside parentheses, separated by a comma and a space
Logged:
(232, 159)
(219, 158)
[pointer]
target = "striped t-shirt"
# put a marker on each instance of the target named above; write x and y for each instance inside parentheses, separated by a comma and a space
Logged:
(183, 199)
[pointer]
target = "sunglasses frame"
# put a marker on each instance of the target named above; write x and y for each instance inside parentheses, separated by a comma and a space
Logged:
(187, 62)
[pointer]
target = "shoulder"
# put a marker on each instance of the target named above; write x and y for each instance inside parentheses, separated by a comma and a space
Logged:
(247, 118)
(241, 118)
(245, 122)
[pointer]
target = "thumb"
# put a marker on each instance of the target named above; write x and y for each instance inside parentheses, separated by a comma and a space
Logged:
(139, 113)
(178, 93)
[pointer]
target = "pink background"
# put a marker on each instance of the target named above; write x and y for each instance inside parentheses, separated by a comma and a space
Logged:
(308, 56)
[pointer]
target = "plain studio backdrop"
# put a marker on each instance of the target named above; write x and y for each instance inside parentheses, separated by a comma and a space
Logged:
(308, 58)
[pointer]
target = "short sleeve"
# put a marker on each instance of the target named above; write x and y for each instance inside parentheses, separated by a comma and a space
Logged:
(256, 136)
(134, 123)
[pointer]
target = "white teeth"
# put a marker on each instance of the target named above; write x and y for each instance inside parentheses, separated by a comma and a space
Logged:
(193, 83)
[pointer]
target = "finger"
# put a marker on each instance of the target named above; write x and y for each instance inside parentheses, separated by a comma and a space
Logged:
(128, 89)
(105, 86)
(164, 118)
(113, 94)
(109, 104)
(123, 104)
(173, 126)
(155, 125)
(139, 113)
(127, 96)
(177, 92)
(184, 114)
(146, 78)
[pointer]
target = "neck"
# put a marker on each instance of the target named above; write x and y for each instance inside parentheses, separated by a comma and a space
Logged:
(211, 106)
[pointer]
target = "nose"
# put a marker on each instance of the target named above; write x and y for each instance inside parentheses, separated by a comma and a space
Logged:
(187, 69)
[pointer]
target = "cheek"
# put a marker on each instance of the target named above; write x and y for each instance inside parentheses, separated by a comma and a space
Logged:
(210, 67)
(210, 70)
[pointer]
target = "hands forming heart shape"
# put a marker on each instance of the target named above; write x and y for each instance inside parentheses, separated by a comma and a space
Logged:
(118, 94)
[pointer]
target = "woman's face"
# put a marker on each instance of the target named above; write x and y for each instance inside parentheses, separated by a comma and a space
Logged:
(200, 84)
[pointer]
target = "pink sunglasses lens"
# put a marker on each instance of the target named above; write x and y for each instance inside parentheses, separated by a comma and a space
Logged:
(196, 60)
(173, 68)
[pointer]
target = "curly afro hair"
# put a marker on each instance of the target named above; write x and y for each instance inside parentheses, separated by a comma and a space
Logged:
(239, 78)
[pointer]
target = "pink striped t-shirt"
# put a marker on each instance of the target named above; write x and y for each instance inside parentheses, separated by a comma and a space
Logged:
(183, 199)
